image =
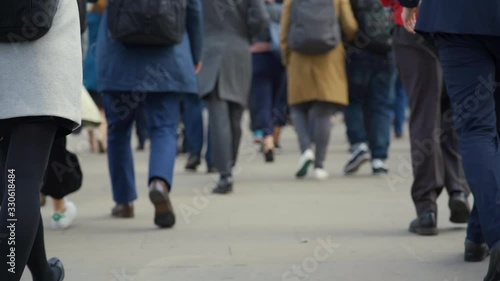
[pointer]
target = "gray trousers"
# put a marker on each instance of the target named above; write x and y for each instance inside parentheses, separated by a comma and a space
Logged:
(313, 125)
(436, 161)
(225, 132)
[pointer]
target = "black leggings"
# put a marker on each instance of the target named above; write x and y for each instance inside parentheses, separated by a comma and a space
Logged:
(24, 154)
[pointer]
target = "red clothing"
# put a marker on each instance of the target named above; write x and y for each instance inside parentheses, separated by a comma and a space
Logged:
(397, 9)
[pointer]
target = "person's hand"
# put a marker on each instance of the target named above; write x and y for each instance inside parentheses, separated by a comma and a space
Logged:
(409, 17)
(197, 67)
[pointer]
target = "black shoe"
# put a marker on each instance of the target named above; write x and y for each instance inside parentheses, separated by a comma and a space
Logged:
(459, 207)
(193, 162)
(211, 170)
(494, 267)
(224, 186)
(425, 224)
(140, 147)
(475, 252)
(359, 156)
(164, 212)
(57, 269)
(269, 156)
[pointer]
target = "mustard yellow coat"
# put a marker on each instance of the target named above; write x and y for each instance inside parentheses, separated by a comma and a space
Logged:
(318, 77)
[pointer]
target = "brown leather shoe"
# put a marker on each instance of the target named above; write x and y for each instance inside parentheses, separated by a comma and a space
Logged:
(164, 212)
(123, 211)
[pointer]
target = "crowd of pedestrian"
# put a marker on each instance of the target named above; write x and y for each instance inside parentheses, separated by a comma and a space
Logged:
(157, 67)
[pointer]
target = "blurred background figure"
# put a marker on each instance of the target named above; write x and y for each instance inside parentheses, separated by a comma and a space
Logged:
(97, 141)
(371, 75)
(317, 82)
(268, 86)
(226, 77)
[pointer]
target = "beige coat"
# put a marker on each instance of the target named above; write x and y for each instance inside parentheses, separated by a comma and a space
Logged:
(318, 77)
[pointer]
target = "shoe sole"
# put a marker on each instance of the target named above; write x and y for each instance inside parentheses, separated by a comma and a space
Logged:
(459, 211)
(425, 231)
(302, 172)
(354, 167)
(164, 218)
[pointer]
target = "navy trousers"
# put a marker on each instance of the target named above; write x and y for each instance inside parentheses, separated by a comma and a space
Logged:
(471, 66)
(162, 117)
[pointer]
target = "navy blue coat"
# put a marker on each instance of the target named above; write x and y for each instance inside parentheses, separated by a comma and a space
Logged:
(479, 17)
(123, 68)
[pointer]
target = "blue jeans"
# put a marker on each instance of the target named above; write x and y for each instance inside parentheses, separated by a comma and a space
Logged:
(268, 101)
(192, 117)
(141, 126)
(400, 105)
(162, 115)
(471, 66)
(371, 102)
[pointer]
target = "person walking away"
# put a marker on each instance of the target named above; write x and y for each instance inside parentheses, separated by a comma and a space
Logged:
(90, 76)
(268, 81)
(371, 76)
(468, 45)
(317, 82)
(44, 108)
(436, 162)
(226, 77)
(147, 65)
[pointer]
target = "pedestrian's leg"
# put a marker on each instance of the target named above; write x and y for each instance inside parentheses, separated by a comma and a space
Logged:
(300, 117)
(321, 113)
(121, 115)
(221, 134)
(235, 115)
(417, 62)
(163, 116)
(23, 173)
(141, 127)
(193, 124)
(468, 69)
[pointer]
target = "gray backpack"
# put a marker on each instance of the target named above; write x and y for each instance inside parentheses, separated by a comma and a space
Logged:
(314, 27)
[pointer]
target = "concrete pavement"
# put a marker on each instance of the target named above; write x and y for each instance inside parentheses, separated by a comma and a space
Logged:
(273, 227)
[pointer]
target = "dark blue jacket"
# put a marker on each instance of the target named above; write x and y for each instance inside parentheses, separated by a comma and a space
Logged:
(479, 17)
(123, 68)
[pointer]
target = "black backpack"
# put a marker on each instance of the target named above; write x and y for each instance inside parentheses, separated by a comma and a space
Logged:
(26, 20)
(375, 26)
(314, 26)
(147, 22)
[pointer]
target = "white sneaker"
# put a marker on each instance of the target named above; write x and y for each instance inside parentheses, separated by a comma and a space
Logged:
(320, 174)
(305, 161)
(379, 167)
(64, 220)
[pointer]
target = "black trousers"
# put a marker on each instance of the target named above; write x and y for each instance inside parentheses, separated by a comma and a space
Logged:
(24, 154)
(436, 161)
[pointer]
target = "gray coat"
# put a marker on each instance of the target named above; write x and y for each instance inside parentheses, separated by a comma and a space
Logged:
(227, 62)
(44, 77)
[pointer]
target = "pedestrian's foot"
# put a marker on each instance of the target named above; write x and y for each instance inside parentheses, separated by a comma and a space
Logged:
(305, 161)
(192, 163)
(140, 147)
(359, 156)
(224, 186)
(475, 252)
(425, 224)
(164, 212)
(123, 211)
(101, 146)
(57, 269)
(269, 156)
(459, 207)
(399, 135)
(320, 174)
(379, 167)
(63, 220)
(494, 267)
